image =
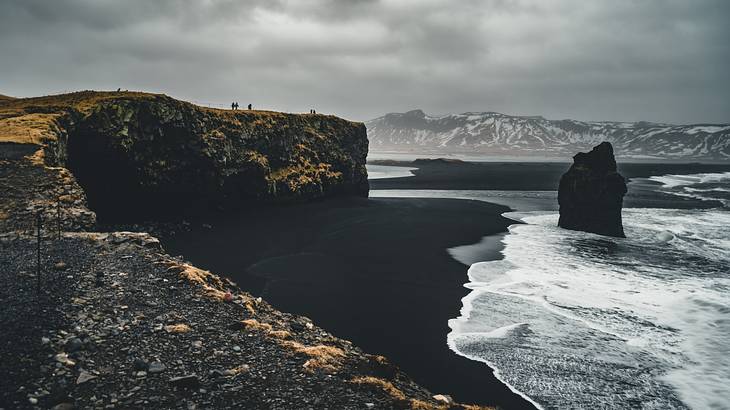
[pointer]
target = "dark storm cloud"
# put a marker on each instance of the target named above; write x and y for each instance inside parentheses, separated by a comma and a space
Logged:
(657, 60)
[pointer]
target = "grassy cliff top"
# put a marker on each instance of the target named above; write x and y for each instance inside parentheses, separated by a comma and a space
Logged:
(35, 120)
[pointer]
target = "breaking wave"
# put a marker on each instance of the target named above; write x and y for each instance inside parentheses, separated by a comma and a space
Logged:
(577, 320)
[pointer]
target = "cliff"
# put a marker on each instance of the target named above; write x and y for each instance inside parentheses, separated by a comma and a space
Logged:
(591, 193)
(139, 153)
(109, 319)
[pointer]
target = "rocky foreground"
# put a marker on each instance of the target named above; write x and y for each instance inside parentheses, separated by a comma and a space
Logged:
(119, 324)
(109, 320)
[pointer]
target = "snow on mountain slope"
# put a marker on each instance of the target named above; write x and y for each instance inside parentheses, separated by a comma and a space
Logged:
(500, 134)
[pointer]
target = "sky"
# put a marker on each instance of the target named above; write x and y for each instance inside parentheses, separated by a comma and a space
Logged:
(614, 60)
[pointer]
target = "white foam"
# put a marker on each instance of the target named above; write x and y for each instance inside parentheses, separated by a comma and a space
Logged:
(671, 181)
(388, 171)
(697, 186)
(657, 302)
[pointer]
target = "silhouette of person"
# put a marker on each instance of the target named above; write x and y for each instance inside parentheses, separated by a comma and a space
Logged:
(233, 106)
(236, 105)
(249, 106)
(119, 89)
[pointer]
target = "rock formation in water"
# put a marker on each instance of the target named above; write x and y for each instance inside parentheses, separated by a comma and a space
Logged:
(591, 193)
(136, 152)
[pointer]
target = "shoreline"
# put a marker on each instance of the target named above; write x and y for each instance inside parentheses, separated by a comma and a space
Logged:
(492, 246)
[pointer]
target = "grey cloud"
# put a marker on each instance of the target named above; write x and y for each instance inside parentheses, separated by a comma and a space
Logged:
(656, 60)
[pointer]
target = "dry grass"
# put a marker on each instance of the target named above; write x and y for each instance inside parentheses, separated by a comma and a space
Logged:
(280, 334)
(384, 385)
(249, 307)
(177, 328)
(416, 404)
(254, 324)
(212, 284)
(35, 120)
(321, 357)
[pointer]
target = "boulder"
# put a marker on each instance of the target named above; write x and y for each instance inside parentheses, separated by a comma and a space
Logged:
(591, 193)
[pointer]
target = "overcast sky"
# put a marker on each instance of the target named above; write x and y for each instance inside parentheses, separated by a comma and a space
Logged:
(655, 60)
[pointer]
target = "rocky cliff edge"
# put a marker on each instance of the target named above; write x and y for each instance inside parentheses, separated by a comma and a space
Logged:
(134, 152)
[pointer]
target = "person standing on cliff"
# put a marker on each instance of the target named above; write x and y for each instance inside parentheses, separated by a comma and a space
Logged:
(233, 106)
(249, 106)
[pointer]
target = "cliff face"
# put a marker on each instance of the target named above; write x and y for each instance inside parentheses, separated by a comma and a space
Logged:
(134, 153)
(591, 193)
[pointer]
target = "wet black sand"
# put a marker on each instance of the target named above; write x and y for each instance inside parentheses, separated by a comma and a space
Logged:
(376, 272)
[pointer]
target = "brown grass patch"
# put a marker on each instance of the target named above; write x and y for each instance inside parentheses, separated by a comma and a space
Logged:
(321, 357)
(279, 334)
(416, 404)
(249, 307)
(212, 284)
(384, 385)
(254, 324)
(177, 328)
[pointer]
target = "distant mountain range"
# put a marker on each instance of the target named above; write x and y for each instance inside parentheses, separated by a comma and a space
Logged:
(491, 133)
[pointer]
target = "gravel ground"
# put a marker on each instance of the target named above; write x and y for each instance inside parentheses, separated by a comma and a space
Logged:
(120, 324)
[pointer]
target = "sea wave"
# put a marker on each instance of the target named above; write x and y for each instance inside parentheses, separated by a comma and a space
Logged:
(588, 321)
(706, 186)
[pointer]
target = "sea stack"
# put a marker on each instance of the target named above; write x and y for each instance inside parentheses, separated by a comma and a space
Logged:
(591, 193)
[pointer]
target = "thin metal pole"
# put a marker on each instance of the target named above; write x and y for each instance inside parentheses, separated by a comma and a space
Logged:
(58, 216)
(39, 220)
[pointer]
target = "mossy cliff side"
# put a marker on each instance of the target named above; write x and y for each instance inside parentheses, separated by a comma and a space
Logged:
(137, 151)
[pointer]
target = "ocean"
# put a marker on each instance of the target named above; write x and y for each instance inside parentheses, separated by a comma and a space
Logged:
(576, 320)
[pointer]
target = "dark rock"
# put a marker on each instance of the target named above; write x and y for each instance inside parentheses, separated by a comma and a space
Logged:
(238, 325)
(156, 367)
(74, 345)
(216, 374)
(190, 381)
(591, 193)
(139, 364)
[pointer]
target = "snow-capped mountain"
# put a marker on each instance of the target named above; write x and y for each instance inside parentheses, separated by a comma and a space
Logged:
(492, 133)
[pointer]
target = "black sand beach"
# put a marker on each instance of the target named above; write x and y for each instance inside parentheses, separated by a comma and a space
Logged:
(377, 271)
